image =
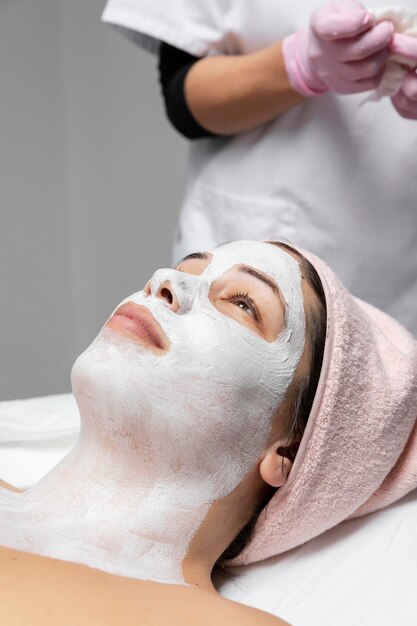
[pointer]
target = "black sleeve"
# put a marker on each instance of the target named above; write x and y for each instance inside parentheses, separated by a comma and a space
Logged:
(173, 66)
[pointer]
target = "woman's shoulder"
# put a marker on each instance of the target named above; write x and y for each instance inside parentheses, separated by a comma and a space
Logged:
(45, 591)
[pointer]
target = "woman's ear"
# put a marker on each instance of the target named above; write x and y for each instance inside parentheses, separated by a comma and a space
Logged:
(276, 465)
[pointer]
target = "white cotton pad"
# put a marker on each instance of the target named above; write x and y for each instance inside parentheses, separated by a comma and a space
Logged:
(405, 22)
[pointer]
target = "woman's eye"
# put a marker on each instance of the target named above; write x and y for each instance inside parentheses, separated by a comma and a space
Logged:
(246, 303)
(244, 306)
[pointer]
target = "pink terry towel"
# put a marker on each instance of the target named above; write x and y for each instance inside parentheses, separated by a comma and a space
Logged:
(359, 450)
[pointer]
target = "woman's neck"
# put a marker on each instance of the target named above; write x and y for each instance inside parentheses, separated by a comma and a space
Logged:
(132, 503)
(104, 507)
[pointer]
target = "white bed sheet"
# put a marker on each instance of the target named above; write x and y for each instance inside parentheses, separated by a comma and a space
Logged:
(361, 573)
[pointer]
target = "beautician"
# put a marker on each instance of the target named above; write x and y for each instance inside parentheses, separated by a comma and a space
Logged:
(274, 93)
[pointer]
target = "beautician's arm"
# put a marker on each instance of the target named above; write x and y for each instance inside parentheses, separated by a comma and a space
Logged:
(233, 94)
(224, 95)
(342, 51)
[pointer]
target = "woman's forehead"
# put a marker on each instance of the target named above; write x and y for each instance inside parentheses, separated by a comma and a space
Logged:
(267, 258)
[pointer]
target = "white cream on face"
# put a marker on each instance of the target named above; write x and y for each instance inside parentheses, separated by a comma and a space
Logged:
(163, 436)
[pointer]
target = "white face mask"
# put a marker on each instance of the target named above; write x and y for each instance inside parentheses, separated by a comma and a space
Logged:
(209, 400)
(163, 435)
(200, 413)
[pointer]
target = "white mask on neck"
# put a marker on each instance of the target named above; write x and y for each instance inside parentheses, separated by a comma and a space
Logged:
(200, 414)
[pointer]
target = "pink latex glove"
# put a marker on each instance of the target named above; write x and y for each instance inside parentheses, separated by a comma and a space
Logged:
(405, 100)
(340, 51)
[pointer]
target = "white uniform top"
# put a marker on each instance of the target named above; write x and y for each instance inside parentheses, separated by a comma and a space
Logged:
(330, 175)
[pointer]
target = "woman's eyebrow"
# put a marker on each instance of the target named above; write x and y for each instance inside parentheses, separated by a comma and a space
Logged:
(195, 255)
(247, 269)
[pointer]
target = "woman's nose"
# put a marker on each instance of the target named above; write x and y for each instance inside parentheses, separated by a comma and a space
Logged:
(166, 292)
(176, 289)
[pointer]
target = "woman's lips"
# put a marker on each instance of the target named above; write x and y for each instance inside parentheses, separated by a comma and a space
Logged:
(135, 320)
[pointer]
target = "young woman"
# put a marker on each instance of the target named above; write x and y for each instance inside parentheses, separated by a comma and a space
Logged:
(194, 399)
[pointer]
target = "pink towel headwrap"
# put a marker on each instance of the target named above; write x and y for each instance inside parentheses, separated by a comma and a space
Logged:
(359, 450)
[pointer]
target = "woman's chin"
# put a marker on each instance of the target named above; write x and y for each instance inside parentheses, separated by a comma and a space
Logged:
(109, 376)
(95, 369)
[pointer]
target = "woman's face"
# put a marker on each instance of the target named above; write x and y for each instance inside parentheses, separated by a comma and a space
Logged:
(195, 365)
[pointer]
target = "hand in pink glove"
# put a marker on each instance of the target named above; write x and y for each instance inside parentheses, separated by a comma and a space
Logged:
(405, 100)
(340, 51)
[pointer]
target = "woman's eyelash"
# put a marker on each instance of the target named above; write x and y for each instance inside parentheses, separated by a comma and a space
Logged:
(245, 297)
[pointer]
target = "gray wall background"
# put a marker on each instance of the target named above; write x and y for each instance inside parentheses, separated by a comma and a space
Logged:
(91, 181)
